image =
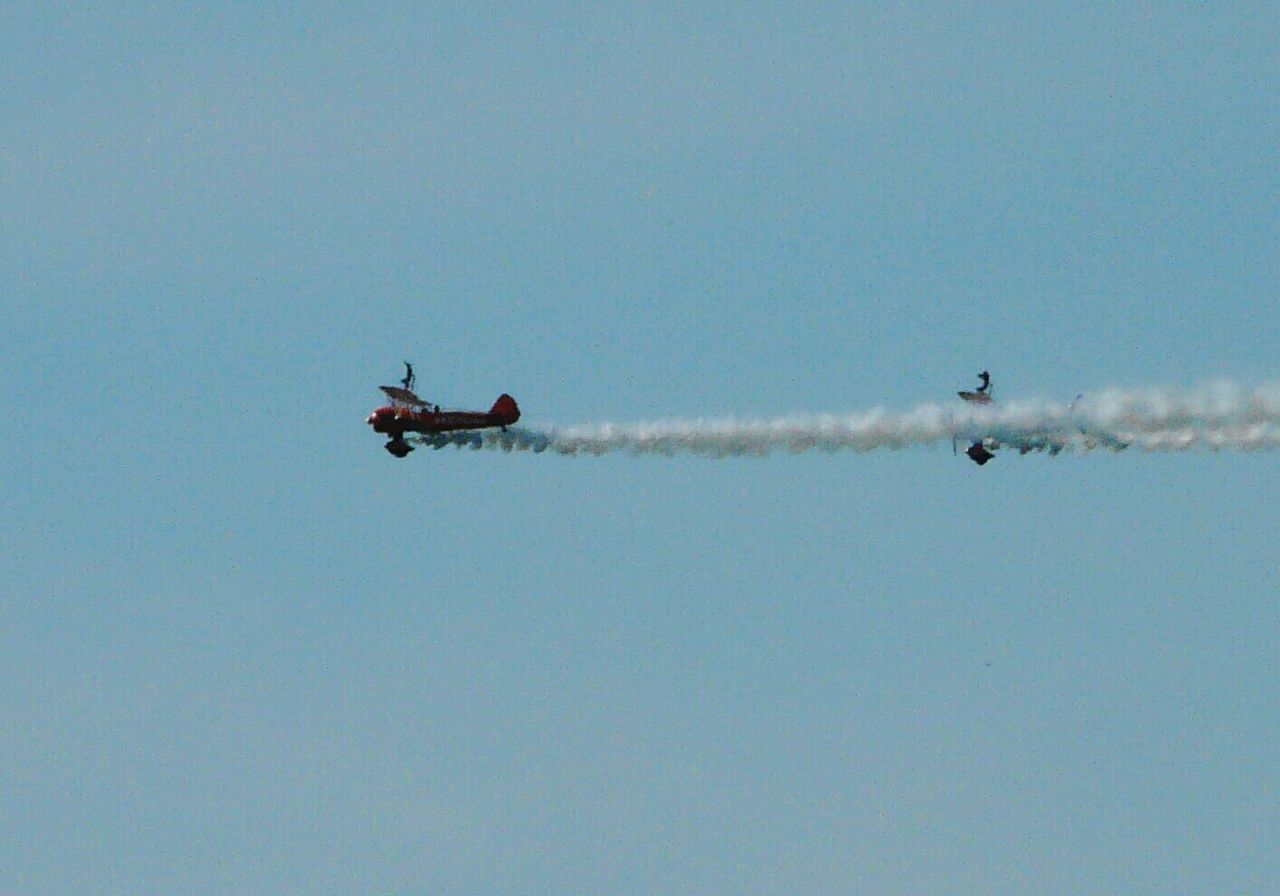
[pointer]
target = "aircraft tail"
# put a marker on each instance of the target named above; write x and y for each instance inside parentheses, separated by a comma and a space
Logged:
(506, 408)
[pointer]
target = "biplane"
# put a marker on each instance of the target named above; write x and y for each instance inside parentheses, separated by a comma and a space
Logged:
(979, 452)
(409, 413)
(1052, 439)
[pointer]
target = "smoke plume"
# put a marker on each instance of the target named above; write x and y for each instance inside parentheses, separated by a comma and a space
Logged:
(1218, 416)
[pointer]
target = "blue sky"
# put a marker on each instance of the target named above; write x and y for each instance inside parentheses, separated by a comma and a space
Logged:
(244, 650)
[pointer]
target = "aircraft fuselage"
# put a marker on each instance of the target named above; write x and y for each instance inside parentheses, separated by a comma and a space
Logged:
(396, 421)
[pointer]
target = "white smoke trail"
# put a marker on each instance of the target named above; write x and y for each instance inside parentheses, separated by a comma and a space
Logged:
(1218, 416)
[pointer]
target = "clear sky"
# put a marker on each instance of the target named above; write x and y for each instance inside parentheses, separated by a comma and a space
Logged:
(243, 650)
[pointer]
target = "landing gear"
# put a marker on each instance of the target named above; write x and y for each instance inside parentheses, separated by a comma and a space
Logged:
(399, 447)
(977, 452)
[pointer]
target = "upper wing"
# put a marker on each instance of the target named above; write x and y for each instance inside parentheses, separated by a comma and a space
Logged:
(403, 396)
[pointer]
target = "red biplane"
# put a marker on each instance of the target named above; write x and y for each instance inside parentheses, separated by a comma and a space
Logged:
(1052, 439)
(409, 413)
(979, 452)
